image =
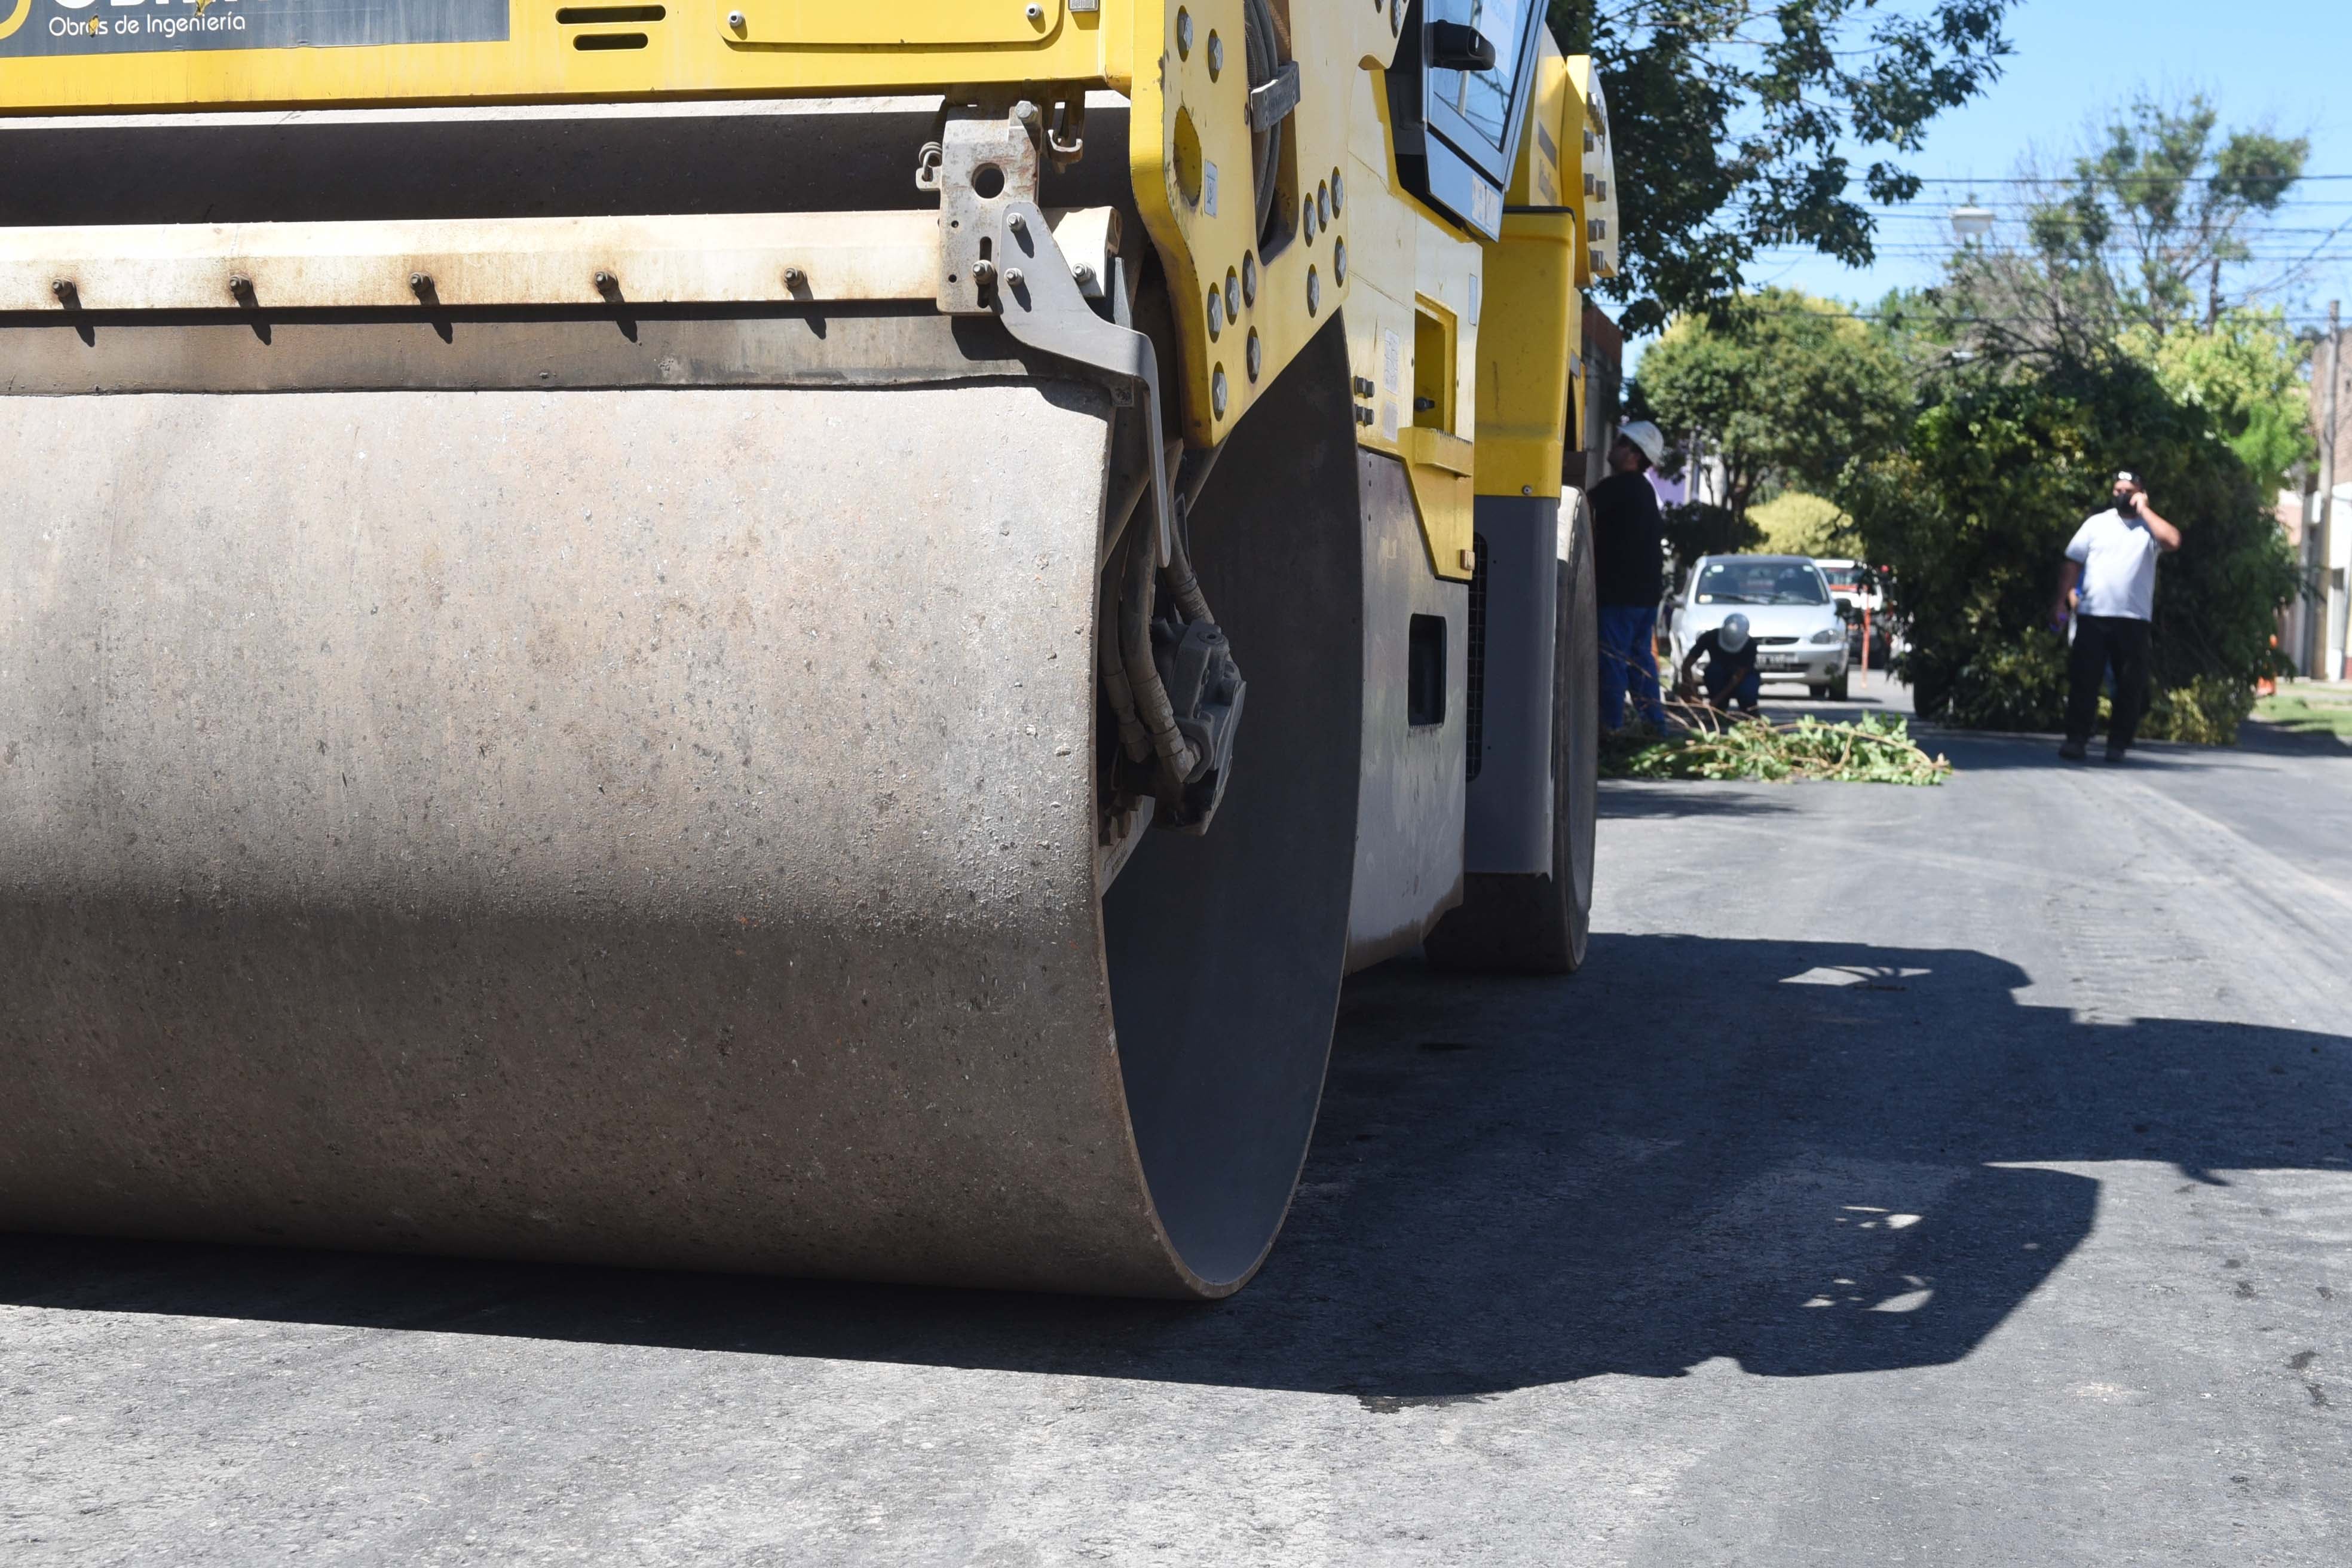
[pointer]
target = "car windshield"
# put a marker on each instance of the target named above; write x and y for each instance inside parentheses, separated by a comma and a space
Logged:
(1760, 583)
(1843, 576)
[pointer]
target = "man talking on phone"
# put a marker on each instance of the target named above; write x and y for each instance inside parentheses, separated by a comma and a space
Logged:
(2113, 560)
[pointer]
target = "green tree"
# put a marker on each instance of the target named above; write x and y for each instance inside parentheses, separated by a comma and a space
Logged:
(1782, 388)
(1795, 522)
(1734, 122)
(1974, 513)
(2103, 341)
(2173, 203)
(2155, 216)
(2247, 370)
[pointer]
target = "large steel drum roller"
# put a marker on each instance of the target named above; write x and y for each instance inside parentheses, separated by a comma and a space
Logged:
(654, 825)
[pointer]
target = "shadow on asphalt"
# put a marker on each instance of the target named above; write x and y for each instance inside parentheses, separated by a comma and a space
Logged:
(1626, 798)
(1979, 751)
(2267, 739)
(1984, 750)
(1826, 1170)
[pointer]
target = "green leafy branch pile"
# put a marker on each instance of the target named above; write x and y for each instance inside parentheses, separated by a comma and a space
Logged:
(1872, 750)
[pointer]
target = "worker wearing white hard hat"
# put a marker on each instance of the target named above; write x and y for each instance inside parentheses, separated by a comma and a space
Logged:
(1629, 552)
(1732, 678)
(1647, 438)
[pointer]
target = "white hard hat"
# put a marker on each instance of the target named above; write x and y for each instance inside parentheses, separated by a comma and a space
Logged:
(1649, 438)
(1733, 633)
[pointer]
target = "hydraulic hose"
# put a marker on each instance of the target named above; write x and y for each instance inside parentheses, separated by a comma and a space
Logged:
(1133, 739)
(1177, 758)
(1191, 477)
(1181, 582)
(1260, 43)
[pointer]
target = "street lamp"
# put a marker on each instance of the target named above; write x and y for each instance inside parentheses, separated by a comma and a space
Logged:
(1971, 221)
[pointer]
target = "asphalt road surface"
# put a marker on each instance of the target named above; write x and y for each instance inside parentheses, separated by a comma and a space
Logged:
(1954, 1176)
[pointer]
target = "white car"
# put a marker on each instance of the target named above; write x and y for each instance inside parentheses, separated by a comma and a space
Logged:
(1790, 613)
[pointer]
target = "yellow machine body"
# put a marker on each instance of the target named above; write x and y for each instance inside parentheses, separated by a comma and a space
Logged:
(1413, 283)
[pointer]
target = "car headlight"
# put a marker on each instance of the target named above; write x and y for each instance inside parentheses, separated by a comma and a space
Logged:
(1828, 635)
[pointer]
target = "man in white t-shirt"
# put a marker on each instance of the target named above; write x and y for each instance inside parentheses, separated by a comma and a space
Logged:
(2113, 560)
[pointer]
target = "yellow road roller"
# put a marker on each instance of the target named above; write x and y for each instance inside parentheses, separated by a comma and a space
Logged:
(771, 635)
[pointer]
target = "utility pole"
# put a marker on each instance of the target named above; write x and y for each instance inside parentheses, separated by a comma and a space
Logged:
(2331, 606)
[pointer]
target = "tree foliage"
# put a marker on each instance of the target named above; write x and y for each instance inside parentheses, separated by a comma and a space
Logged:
(1975, 513)
(2246, 370)
(2141, 237)
(1780, 388)
(1733, 121)
(1701, 527)
(2096, 344)
(1795, 522)
(2162, 206)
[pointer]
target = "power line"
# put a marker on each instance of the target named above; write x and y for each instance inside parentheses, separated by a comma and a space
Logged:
(2005, 204)
(1921, 248)
(2260, 230)
(1927, 318)
(1917, 248)
(2119, 179)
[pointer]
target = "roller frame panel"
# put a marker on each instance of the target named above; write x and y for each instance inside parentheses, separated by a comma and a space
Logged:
(1410, 818)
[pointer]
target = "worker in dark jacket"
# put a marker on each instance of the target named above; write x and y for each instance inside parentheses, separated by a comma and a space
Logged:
(1629, 573)
(1732, 676)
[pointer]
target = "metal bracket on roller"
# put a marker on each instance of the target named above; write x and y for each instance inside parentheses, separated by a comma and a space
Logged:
(982, 162)
(1038, 301)
(998, 255)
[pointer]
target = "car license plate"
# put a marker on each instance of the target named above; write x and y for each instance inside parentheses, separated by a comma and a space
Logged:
(1776, 661)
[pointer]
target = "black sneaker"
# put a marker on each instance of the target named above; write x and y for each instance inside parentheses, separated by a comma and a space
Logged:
(2115, 753)
(2073, 751)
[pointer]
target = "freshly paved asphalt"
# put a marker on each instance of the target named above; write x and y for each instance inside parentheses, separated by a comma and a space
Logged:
(1954, 1176)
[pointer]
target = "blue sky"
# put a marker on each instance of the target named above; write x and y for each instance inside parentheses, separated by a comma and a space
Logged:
(2287, 66)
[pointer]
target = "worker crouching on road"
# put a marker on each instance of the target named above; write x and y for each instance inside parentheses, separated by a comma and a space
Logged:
(2112, 559)
(1629, 574)
(1732, 676)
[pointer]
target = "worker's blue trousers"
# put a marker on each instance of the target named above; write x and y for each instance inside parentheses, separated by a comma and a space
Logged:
(1748, 694)
(1629, 655)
